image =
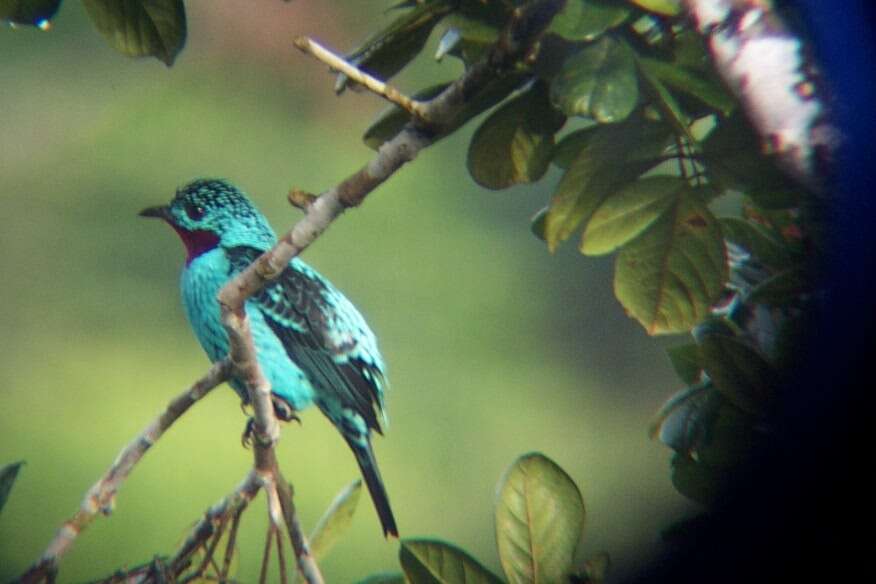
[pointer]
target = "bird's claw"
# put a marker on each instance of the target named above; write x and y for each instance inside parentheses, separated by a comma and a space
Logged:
(248, 433)
(284, 411)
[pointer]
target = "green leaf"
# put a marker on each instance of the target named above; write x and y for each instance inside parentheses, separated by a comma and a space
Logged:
(539, 521)
(568, 148)
(585, 20)
(690, 52)
(387, 51)
(624, 215)
(665, 101)
(729, 440)
(599, 81)
(677, 434)
(8, 474)
(757, 240)
(141, 28)
(669, 276)
(384, 578)
(739, 372)
(608, 156)
(664, 7)
(29, 12)
(336, 520)
(477, 24)
(391, 121)
(781, 289)
(685, 360)
(705, 88)
(426, 561)
(695, 480)
(735, 160)
(514, 144)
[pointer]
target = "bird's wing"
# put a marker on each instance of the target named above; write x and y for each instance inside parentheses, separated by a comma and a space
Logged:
(324, 335)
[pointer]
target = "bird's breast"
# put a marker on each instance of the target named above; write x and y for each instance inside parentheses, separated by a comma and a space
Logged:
(202, 278)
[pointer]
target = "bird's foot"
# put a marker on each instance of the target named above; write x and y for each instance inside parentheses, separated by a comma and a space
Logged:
(248, 433)
(283, 410)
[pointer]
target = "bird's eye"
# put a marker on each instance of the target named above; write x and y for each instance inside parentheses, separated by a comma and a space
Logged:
(195, 212)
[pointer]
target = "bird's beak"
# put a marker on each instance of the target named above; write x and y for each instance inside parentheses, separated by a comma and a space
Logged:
(159, 212)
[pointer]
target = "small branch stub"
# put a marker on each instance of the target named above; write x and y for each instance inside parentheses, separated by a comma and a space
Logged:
(300, 199)
(384, 90)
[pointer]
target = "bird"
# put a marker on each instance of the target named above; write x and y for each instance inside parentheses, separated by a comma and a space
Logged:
(311, 342)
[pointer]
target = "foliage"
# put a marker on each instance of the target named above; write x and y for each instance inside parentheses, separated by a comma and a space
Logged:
(137, 28)
(620, 98)
(8, 474)
(647, 139)
(539, 522)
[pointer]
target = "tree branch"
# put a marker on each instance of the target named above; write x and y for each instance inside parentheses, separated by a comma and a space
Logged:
(765, 65)
(384, 90)
(100, 498)
(231, 506)
(526, 27)
(430, 119)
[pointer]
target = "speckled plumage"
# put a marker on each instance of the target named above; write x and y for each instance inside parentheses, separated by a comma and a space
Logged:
(311, 342)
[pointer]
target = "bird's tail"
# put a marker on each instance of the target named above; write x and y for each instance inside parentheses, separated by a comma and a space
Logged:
(371, 474)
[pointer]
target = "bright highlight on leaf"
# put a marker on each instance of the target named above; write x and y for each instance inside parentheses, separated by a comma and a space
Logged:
(141, 28)
(29, 12)
(427, 561)
(514, 144)
(539, 521)
(665, 7)
(627, 213)
(757, 240)
(607, 156)
(599, 82)
(336, 520)
(585, 20)
(671, 274)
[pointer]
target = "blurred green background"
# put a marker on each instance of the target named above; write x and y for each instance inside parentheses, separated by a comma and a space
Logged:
(495, 347)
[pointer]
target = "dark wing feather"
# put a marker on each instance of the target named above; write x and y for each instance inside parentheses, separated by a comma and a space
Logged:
(324, 335)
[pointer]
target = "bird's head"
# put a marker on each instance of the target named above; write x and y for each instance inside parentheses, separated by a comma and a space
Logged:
(208, 213)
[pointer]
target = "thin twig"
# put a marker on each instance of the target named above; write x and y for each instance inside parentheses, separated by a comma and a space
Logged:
(232, 542)
(337, 63)
(233, 503)
(266, 556)
(281, 558)
(210, 548)
(515, 43)
(304, 558)
(100, 498)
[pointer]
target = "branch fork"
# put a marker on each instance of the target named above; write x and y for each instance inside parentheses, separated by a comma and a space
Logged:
(427, 119)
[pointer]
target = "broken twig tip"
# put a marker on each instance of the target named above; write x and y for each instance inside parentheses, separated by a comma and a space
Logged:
(301, 199)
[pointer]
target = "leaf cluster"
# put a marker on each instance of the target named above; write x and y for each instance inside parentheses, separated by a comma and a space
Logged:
(136, 28)
(620, 97)
(539, 519)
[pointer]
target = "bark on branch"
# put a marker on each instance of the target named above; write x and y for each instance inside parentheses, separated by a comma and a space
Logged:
(430, 119)
(766, 66)
(100, 498)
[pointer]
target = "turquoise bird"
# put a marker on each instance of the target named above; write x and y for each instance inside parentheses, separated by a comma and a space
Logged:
(311, 342)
